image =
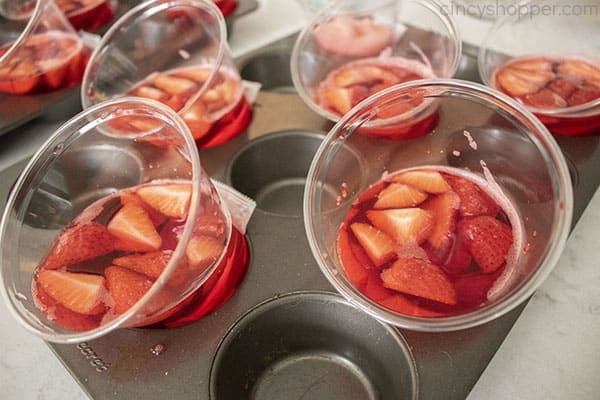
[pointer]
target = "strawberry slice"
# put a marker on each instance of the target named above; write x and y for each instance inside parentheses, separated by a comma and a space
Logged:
(403, 224)
(444, 209)
(473, 200)
(197, 119)
(228, 90)
(156, 217)
(379, 247)
(546, 99)
(152, 264)
(132, 225)
(519, 82)
(126, 287)
(532, 64)
(584, 95)
(370, 192)
(366, 75)
(427, 181)
(150, 92)
(563, 87)
(341, 100)
(197, 74)
(487, 239)
(356, 271)
(399, 195)
(79, 242)
(174, 85)
(171, 200)
(79, 292)
(419, 278)
(202, 251)
(581, 69)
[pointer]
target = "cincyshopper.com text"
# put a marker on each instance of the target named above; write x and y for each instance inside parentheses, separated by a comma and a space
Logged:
(491, 9)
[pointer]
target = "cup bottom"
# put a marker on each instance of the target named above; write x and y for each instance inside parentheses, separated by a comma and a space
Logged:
(572, 126)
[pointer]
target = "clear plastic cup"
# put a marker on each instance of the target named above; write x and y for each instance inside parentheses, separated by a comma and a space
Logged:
(39, 50)
(547, 57)
(104, 231)
(174, 52)
(354, 49)
(482, 137)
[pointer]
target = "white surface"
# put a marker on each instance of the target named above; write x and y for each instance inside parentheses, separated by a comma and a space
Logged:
(553, 352)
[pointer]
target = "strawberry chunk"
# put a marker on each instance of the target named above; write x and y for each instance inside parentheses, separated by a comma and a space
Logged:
(419, 278)
(532, 64)
(356, 271)
(202, 251)
(403, 224)
(581, 69)
(341, 100)
(156, 217)
(563, 87)
(444, 209)
(366, 75)
(150, 92)
(379, 247)
(78, 292)
(125, 287)
(427, 181)
(171, 200)
(152, 264)
(520, 82)
(487, 239)
(399, 195)
(132, 225)
(197, 74)
(545, 98)
(79, 242)
(584, 95)
(473, 200)
(174, 85)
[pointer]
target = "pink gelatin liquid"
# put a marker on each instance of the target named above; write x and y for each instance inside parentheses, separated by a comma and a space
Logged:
(44, 62)
(546, 84)
(430, 242)
(218, 115)
(88, 15)
(101, 264)
(345, 87)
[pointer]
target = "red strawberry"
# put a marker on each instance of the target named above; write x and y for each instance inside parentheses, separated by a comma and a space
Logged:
(546, 99)
(520, 82)
(399, 195)
(152, 265)
(341, 100)
(150, 92)
(78, 292)
(202, 251)
(472, 289)
(228, 90)
(400, 304)
(444, 209)
(584, 95)
(427, 181)
(473, 200)
(125, 287)
(419, 278)
(370, 192)
(156, 217)
(174, 85)
(171, 200)
(403, 224)
(355, 271)
(78, 243)
(367, 75)
(459, 259)
(134, 229)
(581, 69)
(563, 87)
(487, 239)
(378, 246)
(532, 64)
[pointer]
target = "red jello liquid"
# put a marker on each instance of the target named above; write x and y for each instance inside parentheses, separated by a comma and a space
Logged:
(44, 62)
(221, 113)
(429, 242)
(227, 7)
(549, 84)
(100, 265)
(350, 84)
(88, 15)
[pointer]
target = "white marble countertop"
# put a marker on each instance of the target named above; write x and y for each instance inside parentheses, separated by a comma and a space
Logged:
(552, 353)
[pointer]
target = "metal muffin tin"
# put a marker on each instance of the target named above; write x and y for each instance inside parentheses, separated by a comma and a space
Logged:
(285, 333)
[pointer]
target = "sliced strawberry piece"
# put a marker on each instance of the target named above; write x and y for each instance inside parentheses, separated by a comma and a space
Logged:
(203, 251)
(341, 100)
(125, 287)
(370, 192)
(379, 247)
(174, 85)
(355, 271)
(419, 278)
(563, 87)
(487, 239)
(150, 92)
(366, 75)
(54, 71)
(532, 65)
(581, 69)
(427, 181)
(403, 224)
(79, 292)
(400, 304)
(156, 217)
(171, 200)
(79, 243)
(545, 99)
(584, 95)
(229, 90)
(197, 119)
(444, 209)
(399, 195)
(152, 264)
(132, 225)
(473, 200)
(520, 82)
(197, 74)
(459, 259)
(21, 79)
